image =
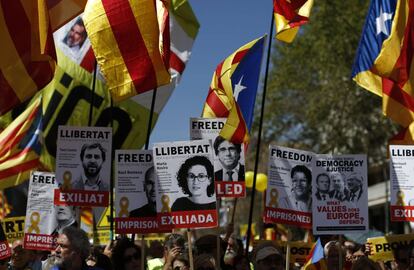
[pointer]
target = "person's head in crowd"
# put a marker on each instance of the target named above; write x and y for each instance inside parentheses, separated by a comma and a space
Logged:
(181, 262)
(207, 244)
(204, 262)
(323, 183)
(364, 263)
(233, 249)
(404, 257)
(98, 259)
(338, 181)
(301, 182)
(72, 249)
(267, 256)
(149, 185)
(92, 157)
(196, 178)
(227, 152)
(241, 262)
(77, 34)
(126, 255)
(350, 248)
(174, 245)
(354, 182)
(155, 249)
(332, 251)
(21, 258)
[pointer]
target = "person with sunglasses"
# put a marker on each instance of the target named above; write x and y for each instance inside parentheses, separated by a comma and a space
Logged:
(196, 179)
(126, 255)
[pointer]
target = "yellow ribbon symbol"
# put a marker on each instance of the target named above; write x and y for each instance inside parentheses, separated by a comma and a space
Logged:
(67, 178)
(34, 223)
(123, 203)
(273, 198)
(400, 198)
(165, 201)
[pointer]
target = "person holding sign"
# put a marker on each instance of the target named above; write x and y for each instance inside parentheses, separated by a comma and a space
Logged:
(229, 156)
(92, 157)
(149, 209)
(301, 188)
(195, 178)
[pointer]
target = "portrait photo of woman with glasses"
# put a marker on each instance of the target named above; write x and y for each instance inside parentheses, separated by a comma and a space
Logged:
(196, 180)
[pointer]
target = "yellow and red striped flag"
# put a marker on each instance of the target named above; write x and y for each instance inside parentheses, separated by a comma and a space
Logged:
(5, 207)
(289, 16)
(232, 91)
(27, 57)
(21, 146)
(125, 37)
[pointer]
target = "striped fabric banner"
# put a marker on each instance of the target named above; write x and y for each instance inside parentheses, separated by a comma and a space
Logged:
(125, 37)
(27, 56)
(227, 79)
(21, 145)
(289, 16)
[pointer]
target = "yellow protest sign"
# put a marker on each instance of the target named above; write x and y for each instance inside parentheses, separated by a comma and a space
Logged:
(381, 248)
(13, 228)
(299, 250)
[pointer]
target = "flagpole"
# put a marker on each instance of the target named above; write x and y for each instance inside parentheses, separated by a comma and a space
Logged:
(249, 226)
(111, 183)
(92, 94)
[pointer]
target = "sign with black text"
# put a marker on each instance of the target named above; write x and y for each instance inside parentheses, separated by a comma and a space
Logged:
(229, 159)
(83, 166)
(185, 188)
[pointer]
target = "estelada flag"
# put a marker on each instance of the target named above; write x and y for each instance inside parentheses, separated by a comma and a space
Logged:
(27, 57)
(315, 259)
(233, 89)
(289, 16)
(128, 45)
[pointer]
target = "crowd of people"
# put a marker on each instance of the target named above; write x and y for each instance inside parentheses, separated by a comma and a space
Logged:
(74, 252)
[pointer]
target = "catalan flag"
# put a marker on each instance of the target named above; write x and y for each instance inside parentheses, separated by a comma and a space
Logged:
(21, 145)
(125, 37)
(27, 56)
(315, 259)
(233, 89)
(289, 16)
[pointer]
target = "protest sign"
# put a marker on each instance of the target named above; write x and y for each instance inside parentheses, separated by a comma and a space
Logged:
(135, 192)
(5, 250)
(288, 193)
(299, 250)
(381, 248)
(340, 197)
(13, 228)
(40, 223)
(83, 166)
(402, 192)
(185, 186)
(229, 159)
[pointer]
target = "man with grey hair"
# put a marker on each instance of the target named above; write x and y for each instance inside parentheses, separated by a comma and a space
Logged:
(340, 191)
(72, 250)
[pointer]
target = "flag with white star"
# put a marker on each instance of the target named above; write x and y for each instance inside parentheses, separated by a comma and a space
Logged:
(385, 57)
(233, 89)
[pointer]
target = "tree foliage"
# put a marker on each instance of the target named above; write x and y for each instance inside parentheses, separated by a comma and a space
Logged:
(312, 103)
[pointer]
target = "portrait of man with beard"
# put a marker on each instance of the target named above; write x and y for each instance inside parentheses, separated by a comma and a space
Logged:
(92, 157)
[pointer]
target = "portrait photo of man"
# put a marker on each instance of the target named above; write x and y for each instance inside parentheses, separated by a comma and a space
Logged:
(340, 192)
(300, 198)
(76, 36)
(92, 157)
(354, 184)
(323, 184)
(149, 209)
(65, 217)
(229, 155)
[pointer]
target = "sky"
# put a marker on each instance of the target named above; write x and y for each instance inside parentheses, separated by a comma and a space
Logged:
(225, 25)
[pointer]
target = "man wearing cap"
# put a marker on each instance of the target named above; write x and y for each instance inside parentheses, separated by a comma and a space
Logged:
(267, 256)
(354, 183)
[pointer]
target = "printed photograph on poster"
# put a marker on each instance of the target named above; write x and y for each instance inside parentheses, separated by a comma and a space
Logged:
(289, 190)
(340, 197)
(135, 192)
(185, 187)
(5, 251)
(229, 158)
(83, 166)
(402, 186)
(40, 220)
(73, 40)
